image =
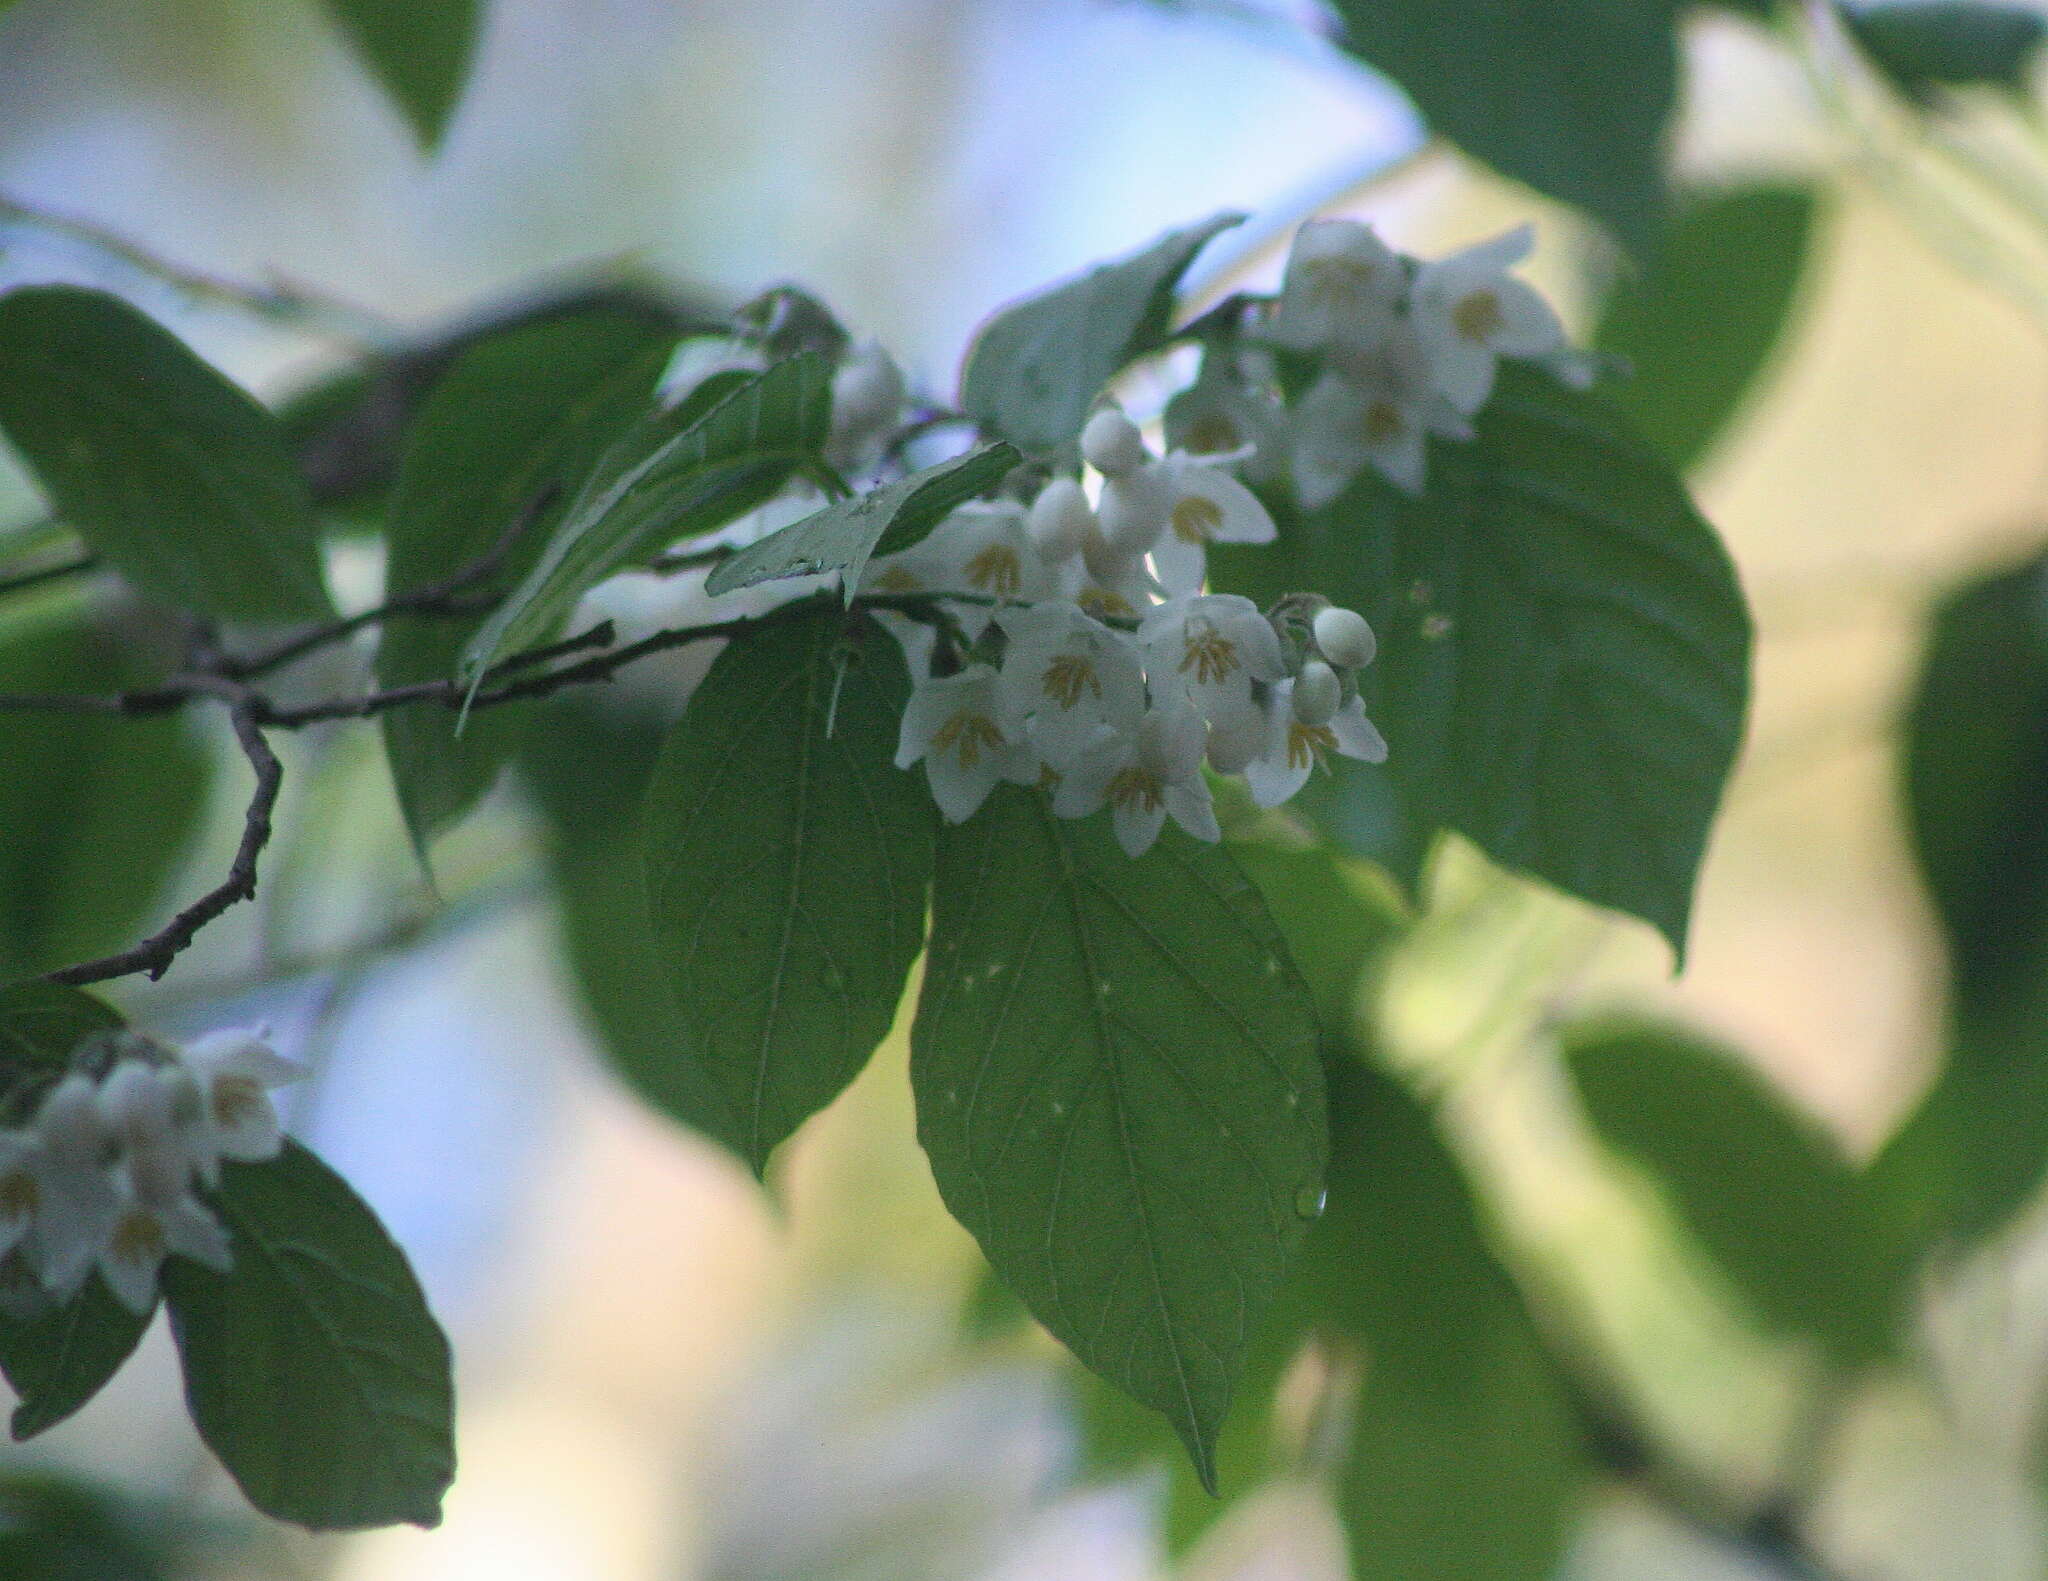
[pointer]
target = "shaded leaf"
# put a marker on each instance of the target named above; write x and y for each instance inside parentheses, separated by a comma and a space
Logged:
(420, 50)
(525, 409)
(161, 464)
(673, 477)
(843, 535)
(1766, 1193)
(1933, 44)
(313, 1369)
(1037, 366)
(788, 860)
(1571, 96)
(1700, 324)
(1117, 1084)
(42, 1023)
(57, 1362)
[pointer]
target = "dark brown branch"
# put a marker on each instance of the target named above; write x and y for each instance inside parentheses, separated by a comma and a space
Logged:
(15, 581)
(155, 953)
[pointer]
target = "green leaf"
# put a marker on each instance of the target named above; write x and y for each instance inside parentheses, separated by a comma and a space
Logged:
(1564, 663)
(313, 1369)
(1037, 366)
(1117, 1083)
(166, 468)
(1335, 918)
(528, 408)
(1925, 46)
(1977, 807)
(1571, 96)
(1465, 1462)
(844, 534)
(601, 894)
(665, 482)
(42, 1023)
(788, 860)
(1699, 325)
(57, 1362)
(114, 803)
(1764, 1191)
(420, 50)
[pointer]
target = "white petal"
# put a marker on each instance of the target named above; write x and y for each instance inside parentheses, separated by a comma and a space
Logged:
(1133, 510)
(1137, 827)
(193, 1232)
(959, 791)
(1356, 735)
(1245, 520)
(1461, 371)
(1181, 566)
(1529, 326)
(1404, 463)
(1193, 809)
(915, 637)
(130, 1260)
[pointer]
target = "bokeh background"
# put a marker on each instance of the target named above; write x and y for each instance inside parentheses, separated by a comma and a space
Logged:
(666, 1373)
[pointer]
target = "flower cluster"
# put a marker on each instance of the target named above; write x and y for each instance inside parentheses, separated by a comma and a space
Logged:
(102, 1175)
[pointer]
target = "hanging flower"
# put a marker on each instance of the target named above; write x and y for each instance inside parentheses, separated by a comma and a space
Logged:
(1072, 676)
(1210, 649)
(1342, 287)
(235, 1071)
(1143, 776)
(1468, 312)
(969, 737)
(1307, 722)
(1373, 408)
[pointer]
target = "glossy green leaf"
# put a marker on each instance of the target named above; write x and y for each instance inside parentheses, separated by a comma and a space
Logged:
(1571, 96)
(1564, 651)
(313, 1369)
(843, 535)
(1118, 1086)
(57, 1362)
(42, 1023)
(420, 50)
(1465, 1462)
(1977, 809)
(166, 468)
(595, 860)
(1038, 365)
(524, 410)
(1933, 44)
(114, 804)
(1762, 1189)
(1699, 326)
(673, 477)
(788, 861)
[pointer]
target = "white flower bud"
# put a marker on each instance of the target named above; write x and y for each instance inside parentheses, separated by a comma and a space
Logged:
(135, 1102)
(1344, 637)
(1061, 521)
(1112, 445)
(69, 1123)
(867, 391)
(1135, 509)
(1317, 692)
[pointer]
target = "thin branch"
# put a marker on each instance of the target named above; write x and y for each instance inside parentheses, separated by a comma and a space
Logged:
(15, 581)
(155, 953)
(292, 305)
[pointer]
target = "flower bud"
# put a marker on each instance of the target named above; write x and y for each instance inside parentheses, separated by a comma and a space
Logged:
(1134, 510)
(867, 391)
(1317, 692)
(69, 1123)
(1112, 445)
(135, 1102)
(1061, 521)
(1344, 637)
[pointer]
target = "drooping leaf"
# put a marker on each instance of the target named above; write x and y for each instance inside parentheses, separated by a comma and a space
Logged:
(420, 50)
(1934, 44)
(57, 1362)
(663, 482)
(98, 809)
(594, 847)
(42, 1023)
(1698, 327)
(527, 409)
(843, 535)
(1035, 368)
(1465, 1463)
(1118, 1086)
(788, 861)
(1564, 664)
(313, 1368)
(1335, 919)
(1570, 96)
(164, 466)
(1977, 808)
(1767, 1195)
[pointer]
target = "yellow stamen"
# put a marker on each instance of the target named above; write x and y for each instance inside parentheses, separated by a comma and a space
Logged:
(1478, 317)
(236, 1098)
(19, 1195)
(970, 734)
(897, 580)
(138, 1238)
(1136, 789)
(1382, 422)
(1308, 745)
(1103, 604)
(1210, 656)
(997, 570)
(1068, 676)
(1195, 519)
(1211, 434)
(1335, 282)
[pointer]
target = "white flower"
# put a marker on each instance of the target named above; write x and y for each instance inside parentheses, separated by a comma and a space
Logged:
(1468, 311)
(21, 1187)
(1210, 649)
(1108, 585)
(1073, 676)
(1342, 287)
(917, 638)
(1224, 414)
(1061, 521)
(867, 396)
(1295, 745)
(981, 548)
(235, 1071)
(969, 737)
(1237, 734)
(1142, 776)
(1373, 407)
(1112, 445)
(1343, 637)
(1208, 506)
(155, 1216)
(1134, 508)
(75, 1200)
(138, 1102)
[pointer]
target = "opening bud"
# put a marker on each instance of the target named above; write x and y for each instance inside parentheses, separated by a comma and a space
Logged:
(1112, 445)
(1344, 637)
